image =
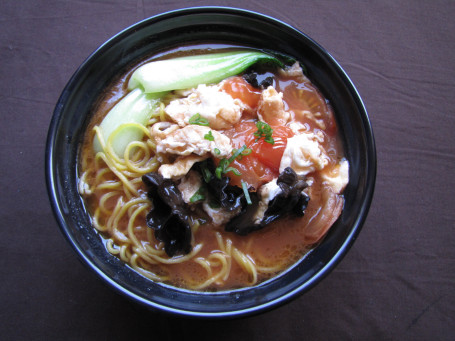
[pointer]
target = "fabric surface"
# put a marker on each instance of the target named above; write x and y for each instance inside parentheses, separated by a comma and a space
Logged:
(398, 280)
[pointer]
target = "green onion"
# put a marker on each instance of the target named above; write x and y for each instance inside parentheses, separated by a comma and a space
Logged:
(217, 151)
(247, 194)
(264, 131)
(236, 153)
(206, 174)
(199, 120)
(233, 170)
(246, 151)
(209, 136)
(223, 169)
(190, 71)
(199, 195)
(223, 166)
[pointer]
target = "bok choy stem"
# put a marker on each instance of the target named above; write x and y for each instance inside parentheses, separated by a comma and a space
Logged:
(136, 107)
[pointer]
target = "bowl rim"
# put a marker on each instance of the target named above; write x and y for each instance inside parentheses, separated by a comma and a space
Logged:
(304, 287)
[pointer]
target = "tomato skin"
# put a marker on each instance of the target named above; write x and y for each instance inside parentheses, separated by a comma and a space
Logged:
(253, 172)
(263, 164)
(271, 154)
(239, 88)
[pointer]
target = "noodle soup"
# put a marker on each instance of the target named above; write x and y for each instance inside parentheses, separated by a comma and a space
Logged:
(225, 183)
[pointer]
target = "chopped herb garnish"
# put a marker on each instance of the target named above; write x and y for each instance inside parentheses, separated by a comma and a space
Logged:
(246, 151)
(199, 195)
(247, 194)
(264, 131)
(223, 168)
(233, 170)
(199, 120)
(205, 171)
(217, 151)
(209, 136)
(236, 153)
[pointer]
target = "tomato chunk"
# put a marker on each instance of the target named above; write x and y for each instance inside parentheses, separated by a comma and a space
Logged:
(253, 172)
(239, 88)
(271, 154)
(263, 164)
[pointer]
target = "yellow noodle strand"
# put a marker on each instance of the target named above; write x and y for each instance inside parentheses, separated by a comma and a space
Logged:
(131, 221)
(119, 174)
(103, 200)
(96, 223)
(111, 247)
(246, 264)
(178, 259)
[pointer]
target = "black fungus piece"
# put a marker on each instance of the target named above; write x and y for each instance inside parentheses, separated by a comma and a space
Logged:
(220, 193)
(258, 80)
(224, 195)
(266, 82)
(169, 217)
(290, 201)
(243, 223)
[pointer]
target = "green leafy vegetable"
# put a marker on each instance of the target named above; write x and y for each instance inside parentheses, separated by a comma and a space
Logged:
(264, 131)
(199, 120)
(190, 71)
(136, 107)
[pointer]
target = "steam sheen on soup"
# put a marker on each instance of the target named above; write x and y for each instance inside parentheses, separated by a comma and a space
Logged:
(218, 185)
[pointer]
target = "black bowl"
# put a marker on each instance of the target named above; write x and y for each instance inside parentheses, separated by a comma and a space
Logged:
(191, 26)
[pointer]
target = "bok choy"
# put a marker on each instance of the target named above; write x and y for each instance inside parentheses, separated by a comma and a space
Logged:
(187, 72)
(136, 107)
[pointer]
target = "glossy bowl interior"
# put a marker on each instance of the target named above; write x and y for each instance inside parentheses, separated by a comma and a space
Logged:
(192, 26)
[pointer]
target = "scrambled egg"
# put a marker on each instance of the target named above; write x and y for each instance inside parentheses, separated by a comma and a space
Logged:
(220, 216)
(304, 154)
(192, 139)
(180, 167)
(267, 192)
(189, 185)
(271, 107)
(219, 108)
(337, 177)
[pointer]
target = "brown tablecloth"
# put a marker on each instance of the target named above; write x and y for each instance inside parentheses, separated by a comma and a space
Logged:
(398, 280)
